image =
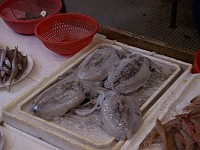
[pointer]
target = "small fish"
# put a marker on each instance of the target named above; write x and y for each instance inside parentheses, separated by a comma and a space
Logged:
(22, 68)
(20, 61)
(2, 74)
(7, 63)
(2, 58)
(14, 69)
(10, 54)
(4, 79)
(5, 69)
(24, 62)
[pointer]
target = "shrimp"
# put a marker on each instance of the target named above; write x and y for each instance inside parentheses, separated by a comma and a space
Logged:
(162, 133)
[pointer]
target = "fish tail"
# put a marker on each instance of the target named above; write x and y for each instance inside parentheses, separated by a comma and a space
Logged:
(8, 85)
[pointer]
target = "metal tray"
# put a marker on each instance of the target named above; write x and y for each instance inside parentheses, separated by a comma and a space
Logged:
(16, 114)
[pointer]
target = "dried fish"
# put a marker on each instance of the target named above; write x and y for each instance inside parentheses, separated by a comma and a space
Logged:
(121, 115)
(2, 58)
(7, 63)
(130, 74)
(22, 68)
(58, 99)
(10, 54)
(2, 74)
(12, 65)
(6, 69)
(4, 79)
(14, 69)
(24, 62)
(96, 66)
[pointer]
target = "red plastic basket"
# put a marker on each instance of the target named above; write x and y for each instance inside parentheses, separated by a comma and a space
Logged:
(68, 33)
(196, 65)
(12, 11)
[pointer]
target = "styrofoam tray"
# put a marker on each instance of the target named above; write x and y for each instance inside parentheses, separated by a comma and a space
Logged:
(14, 114)
(167, 107)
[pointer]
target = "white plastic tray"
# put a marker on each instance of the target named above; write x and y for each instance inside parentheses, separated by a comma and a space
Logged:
(15, 115)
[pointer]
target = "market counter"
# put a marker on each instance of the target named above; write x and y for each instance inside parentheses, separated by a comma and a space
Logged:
(46, 62)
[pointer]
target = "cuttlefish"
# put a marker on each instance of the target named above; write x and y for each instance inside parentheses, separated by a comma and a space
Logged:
(130, 74)
(121, 115)
(96, 66)
(58, 99)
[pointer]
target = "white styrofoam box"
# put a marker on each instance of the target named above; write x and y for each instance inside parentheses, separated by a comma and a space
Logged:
(169, 105)
(17, 140)
(15, 115)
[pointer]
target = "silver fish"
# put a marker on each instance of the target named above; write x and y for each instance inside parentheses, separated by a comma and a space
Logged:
(130, 74)
(7, 62)
(20, 61)
(96, 66)
(6, 69)
(58, 99)
(14, 69)
(121, 116)
(2, 58)
(2, 74)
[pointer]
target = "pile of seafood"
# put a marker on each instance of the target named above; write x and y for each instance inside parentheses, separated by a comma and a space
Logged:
(12, 66)
(102, 82)
(183, 132)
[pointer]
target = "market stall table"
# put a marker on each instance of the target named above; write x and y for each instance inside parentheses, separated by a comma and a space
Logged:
(45, 63)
